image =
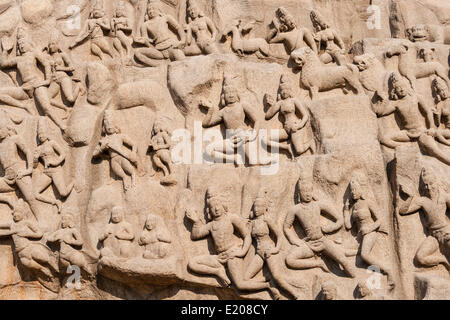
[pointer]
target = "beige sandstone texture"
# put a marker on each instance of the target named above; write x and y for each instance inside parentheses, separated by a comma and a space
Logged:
(224, 149)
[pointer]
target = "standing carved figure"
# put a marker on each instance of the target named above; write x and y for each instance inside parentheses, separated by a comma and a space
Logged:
(32, 254)
(308, 212)
(155, 238)
(370, 225)
(160, 144)
(233, 115)
(52, 156)
(34, 84)
(298, 130)
(287, 32)
(160, 41)
(118, 236)
(435, 202)
(201, 32)
(116, 145)
(94, 29)
(121, 29)
(266, 252)
(328, 39)
(229, 254)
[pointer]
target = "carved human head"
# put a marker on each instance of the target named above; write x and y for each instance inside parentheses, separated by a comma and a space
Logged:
(151, 222)
(363, 289)
(318, 21)
(217, 207)
(23, 44)
(42, 132)
(120, 9)
(116, 214)
(329, 290)
(193, 10)
(429, 181)
(440, 89)
(153, 9)
(286, 19)
(19, 211)
(400, 88)
(98, 10)
(305, 189)
(67, 220)
(261, 204)
(285, 88)
(230, 91)
(357, 184)
(109, 126)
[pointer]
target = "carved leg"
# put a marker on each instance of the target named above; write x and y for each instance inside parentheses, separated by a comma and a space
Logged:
(147, 56)
(255, 266)
(367, 244)
(60, 184)
(68, 91)
(159, 164)
(337, 254)
(15, 97)
(116, 167)
(301, 258)
(209, 265)
(428, 253)
(41, 96)
(42, 184)
(429, 145)
(276, 269)
(235, 269)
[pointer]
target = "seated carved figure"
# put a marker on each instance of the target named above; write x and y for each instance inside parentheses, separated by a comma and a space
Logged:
(414, 127)
(434, 203)
(32, 254)
(155, 238)
(229, 254)
(411, 69)
(242, 45)
(118, 236)
(157, 37)
(317, 77)
(201, 32)
(372, 74)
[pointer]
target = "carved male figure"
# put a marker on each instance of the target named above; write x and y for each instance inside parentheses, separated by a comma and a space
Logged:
(155, 238)
(121, 28)
(118, 236)
(435, 249)
(308, 212)
(160, 143)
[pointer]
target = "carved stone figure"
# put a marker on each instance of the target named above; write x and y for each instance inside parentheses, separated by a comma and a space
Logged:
(412, 70)
(155, 238)
(233, 115)
(52, 156)
(372, 74)
(298, 130)
(442, 110)
(122, 158)
(409, 106)
(365, 214)
(160, 144)
(229, 255)
(434, 203)
(244, 45)
(316, 77)
(95, 29)
(201, 32)
(328, 39)
(427, 32)
(329, 291)
(117, 237)
(156, 35)
(308, 212)
(121, 29)
(34, 84)
(287, 32)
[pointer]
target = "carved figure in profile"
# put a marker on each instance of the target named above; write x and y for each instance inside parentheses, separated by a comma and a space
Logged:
(117, 145)
(297, 129)
(157, 37)
(71, 243)
(34, 84)
(24, 233)
(411, 69)
(261, 225)
(370, 224)
(155, 238)
(63, 79)
(94, 29)
(317, 77)
(201, 32)
(410, 107)
(287, 32)
(229, 255)
(372, 74)
(304, 254)
(121, 29)
(246, 45)
(162, 158)
(328, 39)
(118, 236)
(233, 115)
(434, 203)
(52, 156)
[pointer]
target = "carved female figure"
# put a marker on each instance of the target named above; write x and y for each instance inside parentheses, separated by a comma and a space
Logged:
(52, 156)
(95, 29)
(121, 28)
(329, 39)
(298, 130)
(201, 32)
(160, 143)
(116, 145)
(369, 223)
(260, 227)
(156, 238)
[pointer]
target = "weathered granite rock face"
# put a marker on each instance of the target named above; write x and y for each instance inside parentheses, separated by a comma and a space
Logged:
(225, 149)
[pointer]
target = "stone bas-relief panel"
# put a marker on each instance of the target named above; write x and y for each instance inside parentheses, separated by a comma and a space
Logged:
(190, 149)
